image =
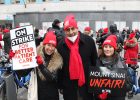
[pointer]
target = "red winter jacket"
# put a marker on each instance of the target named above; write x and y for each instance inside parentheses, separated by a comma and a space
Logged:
(131, 51)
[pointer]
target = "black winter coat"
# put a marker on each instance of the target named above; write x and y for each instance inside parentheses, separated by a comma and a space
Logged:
(47, 75)
(88, 53)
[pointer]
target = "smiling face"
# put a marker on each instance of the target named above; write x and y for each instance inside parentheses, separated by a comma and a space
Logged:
(108, 50)
(49, 49)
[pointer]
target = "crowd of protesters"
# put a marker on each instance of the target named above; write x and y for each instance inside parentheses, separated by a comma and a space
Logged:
(65, 55)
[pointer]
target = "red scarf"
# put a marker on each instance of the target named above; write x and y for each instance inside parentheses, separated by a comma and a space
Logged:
(75, 63)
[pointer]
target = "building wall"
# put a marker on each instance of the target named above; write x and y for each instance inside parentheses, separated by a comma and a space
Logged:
(37, 18)
(94, 10)
(64, 6)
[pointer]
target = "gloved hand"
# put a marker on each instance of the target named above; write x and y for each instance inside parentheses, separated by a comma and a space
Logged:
(103, 96)
(39, 60)
(11, 54)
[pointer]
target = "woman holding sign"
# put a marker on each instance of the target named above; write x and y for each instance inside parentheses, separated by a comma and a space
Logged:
(49, 62)
(43, 81)
(112, 79)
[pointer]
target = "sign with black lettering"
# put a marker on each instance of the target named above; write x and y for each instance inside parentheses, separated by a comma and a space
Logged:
(112, 80)
(23, 44)
(21, 37)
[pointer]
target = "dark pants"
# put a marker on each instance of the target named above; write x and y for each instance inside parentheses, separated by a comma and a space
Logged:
(79, 95)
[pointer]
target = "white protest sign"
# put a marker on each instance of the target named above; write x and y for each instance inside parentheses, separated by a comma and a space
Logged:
(23, 44)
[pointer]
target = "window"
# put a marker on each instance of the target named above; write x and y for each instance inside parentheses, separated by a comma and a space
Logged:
(100, 24)
(82, 25)
(120, 25)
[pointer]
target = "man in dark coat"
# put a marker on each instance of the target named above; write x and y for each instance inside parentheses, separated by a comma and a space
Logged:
(79, 53)
(57, 30)
(120, 40)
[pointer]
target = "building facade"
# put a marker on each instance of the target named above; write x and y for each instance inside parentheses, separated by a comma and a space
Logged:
(94, 13)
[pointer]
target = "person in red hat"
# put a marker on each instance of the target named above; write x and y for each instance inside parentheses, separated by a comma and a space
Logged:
(49, 62)
(5, 37)
(105, 31)
(88, 31)
(7, 41)
(43, 80)
(79, 53)
(112, 60)
(100, 39)
(131, 50)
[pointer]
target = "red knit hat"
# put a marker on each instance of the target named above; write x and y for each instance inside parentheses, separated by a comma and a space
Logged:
(6, 30)
(132, 35)
(111, 40)
(50, 38)
(105, 30)
(70, 22)
(87, 29)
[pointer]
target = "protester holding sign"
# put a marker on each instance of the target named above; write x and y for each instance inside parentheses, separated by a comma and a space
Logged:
(6, 39)
(111, 59)
(49, 62)
(78, 52)
(43, 81)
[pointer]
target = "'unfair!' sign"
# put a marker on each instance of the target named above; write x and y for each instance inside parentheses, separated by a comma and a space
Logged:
(104, 79)
(23, 44)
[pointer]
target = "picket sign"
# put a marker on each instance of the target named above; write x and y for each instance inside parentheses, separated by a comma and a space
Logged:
(23, 45)
(111, 80)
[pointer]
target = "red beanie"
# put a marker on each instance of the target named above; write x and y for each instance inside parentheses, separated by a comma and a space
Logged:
(6, 30)
(87, 29)
(111, 40)
(132, 35)
(105, 30)
(17, 26)
(70, 22)
(50, 38)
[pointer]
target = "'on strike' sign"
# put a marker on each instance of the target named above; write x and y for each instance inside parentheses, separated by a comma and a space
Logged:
(23, 44)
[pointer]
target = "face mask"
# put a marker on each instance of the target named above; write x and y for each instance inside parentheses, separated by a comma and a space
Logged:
(73, 38)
